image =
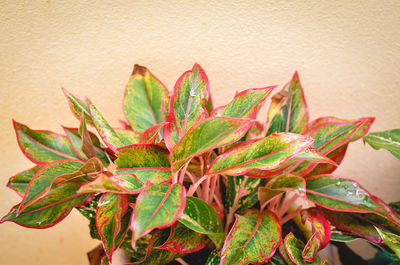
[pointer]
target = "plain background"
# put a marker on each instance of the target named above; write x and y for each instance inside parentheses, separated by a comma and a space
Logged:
(347, 54)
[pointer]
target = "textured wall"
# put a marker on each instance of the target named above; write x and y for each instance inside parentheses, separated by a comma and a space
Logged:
(347, 53)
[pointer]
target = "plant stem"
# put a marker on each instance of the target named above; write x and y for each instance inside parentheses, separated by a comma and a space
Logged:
(235, 206)
(194, 186)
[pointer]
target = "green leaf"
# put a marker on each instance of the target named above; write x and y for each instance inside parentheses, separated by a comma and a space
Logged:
(276, 260)
(188, 104)
(157, 206)
(288, 111)
(146, 99)
(49, 209)
(389, 140)
(293, 247)
(151, 135)
(75, 139)
(42, 147)
(19, 182)
(128, 137)
(253, 238)
(78, 105)
(109, 221)
(245, 104)
(184, 240)
(147, 162)
(214, 258)
(342, 236)
(343, 194)
(321, 233)
(121, 183)
(243, 190)
(336, 156)
(265, 154)
(206, 136)
(288, 183)
(200, 217)
(40, 184)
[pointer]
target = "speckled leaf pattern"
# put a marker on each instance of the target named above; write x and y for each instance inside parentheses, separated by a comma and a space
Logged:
(288, 111)
(42, 147)
(40, 184)
(321, 233)
(342, 194)
(266, 154)
(188, 104)
(151, 135)
(147, 162)
(245, 198)
(288, 182)
(245, 104)
(253, 238)
(128, 136)
(121, 183)
(389, 140)
(19, 182)
(352, 223)
(49, 209)
(293, 247)
(183, 240)
(276, 260)
(157, 206)
(146, 99)
(207, 135)
(336, 156)
(75, 140)
(391, 240)
(78, 105)
(214, 258)
(199, 216)
(110, 210)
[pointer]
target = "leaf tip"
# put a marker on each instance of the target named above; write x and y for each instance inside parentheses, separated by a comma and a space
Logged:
(139, 70)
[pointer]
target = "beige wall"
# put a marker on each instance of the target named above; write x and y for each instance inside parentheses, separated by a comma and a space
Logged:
(347, 53)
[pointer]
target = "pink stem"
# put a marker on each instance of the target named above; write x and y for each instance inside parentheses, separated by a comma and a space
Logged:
(194, 186)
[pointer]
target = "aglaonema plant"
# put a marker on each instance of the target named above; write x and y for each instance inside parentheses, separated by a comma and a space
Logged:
(182, 177)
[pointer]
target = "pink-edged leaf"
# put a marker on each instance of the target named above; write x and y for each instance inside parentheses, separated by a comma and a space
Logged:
(75, 139)
(121, 183)
(288, 111)
(20, 181)
(336, 155)
(87, 146)
(49, 209)
(264, 154)
(78, 105)
(183, 240)
(188, 104)
(148, 162)
(321, 232)
(157, 206)
(146, 99)
(128, 136)
(110, 213)
(288, 182)
(42, 147)
(291, 251)
(245, 104)
(150, 135)
(41, 182)
(253, 238)
(207, 135)
(343, 194)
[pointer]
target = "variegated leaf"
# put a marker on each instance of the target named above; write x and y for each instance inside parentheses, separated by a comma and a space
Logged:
(288, 111)
(157, 206)
(391, 240)
(109, 221)
(389, 140)
(147, 162)
(146, 100)
(188, 104)
(19, 182)
(245, 104)
(42, 147)
(78, 105)
(151, 135)
(207, 135)
(265, 154)
(121, 183)
(253, 238)
(293, 247)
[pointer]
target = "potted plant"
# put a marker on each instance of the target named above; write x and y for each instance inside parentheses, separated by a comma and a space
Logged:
(186, 182)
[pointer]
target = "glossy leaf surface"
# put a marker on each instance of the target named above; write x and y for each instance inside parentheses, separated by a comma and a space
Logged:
(342, 194)
(288, 183)
(187, 105)
(391, 240)
(151, 134)
(253, 238)
(389, 140)
(265, 154)
(158, 206)
(245, 104)
(42, 147)
(206, 136)
(293, 247)
(200, 217)
(184, 240)
(109, 214)
(146, 99)
(19, 182)
(288, 111)
(121, 183)
(78, 105)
